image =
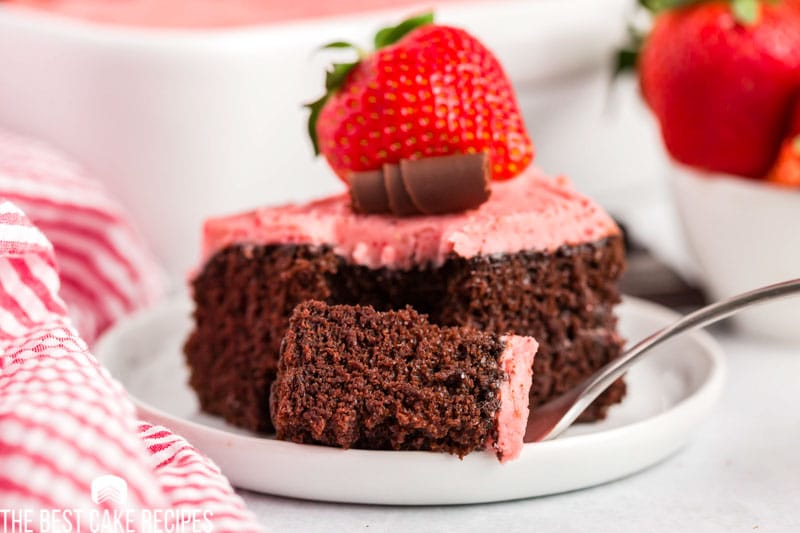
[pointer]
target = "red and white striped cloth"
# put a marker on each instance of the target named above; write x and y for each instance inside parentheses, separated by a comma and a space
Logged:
(64, 421)
(105, 268)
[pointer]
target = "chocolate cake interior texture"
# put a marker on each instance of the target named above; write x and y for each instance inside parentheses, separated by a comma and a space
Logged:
(384, 377)
(245, 295)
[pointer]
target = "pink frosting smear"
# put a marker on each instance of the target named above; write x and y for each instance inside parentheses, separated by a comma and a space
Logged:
(531, 212)
(207, 13)
(512, 418)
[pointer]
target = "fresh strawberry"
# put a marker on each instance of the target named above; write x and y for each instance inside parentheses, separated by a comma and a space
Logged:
(427, 90)
(786, 170)
(720, 77)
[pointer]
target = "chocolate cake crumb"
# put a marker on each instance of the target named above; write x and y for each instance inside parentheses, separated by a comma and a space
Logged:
(352, 377)
(245, 295)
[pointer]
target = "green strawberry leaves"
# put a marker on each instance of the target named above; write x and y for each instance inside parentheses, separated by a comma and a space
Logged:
(337, 74)
(628, 57)
(746, 12)
(315, 108)
(338, 44)
(657, 6)
(334, 78)
(392, 34)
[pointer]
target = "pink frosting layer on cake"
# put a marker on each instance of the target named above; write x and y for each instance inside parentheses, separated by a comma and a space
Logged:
(512, 418)
(530, 212)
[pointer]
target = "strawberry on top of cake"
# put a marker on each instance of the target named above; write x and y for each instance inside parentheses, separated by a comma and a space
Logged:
(426, 90)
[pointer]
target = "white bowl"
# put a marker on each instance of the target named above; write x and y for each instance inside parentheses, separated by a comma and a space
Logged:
(743, 234)
(182, 124)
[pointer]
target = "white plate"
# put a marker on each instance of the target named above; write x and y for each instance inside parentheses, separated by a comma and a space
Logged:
(669, 394)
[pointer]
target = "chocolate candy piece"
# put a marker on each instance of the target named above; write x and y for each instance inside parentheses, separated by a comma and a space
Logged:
(399, 201)
(429, 186)
(447, 184)
(368, 192)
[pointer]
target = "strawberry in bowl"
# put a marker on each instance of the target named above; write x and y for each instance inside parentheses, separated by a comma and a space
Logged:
(722, 78)
(786, 170)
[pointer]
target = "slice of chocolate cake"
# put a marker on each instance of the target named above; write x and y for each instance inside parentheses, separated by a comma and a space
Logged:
(352, 377)
(537, 259)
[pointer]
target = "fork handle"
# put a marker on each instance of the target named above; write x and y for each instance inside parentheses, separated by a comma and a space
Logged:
(598, 382)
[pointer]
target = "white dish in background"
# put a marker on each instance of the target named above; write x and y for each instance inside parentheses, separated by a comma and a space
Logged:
(185, 123)
(670, 393)
(742, 234)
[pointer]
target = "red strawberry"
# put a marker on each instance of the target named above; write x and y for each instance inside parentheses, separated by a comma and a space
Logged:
(428, 90)
(786, 170)
(720, 77)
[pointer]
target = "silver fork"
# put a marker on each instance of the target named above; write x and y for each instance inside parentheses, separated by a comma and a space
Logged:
(553, 418)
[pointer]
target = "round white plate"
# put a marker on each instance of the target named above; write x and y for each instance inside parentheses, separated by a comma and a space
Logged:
(669, 394)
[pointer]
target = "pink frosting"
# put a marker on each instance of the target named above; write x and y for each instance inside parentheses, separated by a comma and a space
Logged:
(512, 418)
(530, 212)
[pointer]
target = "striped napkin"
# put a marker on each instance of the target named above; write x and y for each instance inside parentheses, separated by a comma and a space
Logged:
(73, 455)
